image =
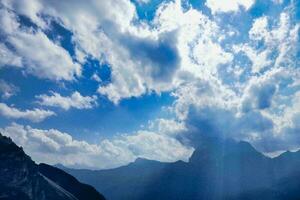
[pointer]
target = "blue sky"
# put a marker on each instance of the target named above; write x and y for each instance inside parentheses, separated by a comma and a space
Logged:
(97, 84)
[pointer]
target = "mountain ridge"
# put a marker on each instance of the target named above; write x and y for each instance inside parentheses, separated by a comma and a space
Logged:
(216, 170)
(22, 178)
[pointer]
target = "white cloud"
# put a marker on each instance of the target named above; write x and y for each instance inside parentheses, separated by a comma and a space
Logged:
(198, 44)
(186, 39)
(8, 58)
(259, 28)
(34, 51)
(210, 55)
(153, 146)
(135, 71)
(100, 32)
(196, 75)
(76, 100)
(8, 21)
(256, 101)
(260, 59)
(7, 90)
(35, 115)
(203, 93)
(22, 7)
(228, 6)
(52, 146)
(281, 38)
(167, 126)
(288, 119)
(44, 58)
(260, 90)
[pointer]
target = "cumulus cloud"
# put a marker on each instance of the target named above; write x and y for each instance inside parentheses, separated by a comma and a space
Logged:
(76, 100)
(131, 48)
(34, 51)
(281, 37)
(228, 6)
(149, 70)
(181, 50)
(35, 115)
(250, 108)
(44, 58)
(198, 40)
(259, 97)
(107, 35)
(255, 127)
(167, 126)
(222, 123)
(260, 91)
(260, 58)
(53, 146)
(203, 93)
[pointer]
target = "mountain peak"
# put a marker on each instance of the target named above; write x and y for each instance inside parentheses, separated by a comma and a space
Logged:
(140, 162)
(219, 149)
(140, 159)
(218, 169)
(7, 145)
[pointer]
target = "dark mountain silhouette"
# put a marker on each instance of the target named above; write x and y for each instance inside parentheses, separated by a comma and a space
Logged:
(22, 179)
(216, 170)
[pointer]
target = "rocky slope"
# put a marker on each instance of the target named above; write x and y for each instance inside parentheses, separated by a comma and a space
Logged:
(21, 178)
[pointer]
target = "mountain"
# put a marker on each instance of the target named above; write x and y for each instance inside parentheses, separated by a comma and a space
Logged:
(216, 170)
(123, 182)
(23, 179)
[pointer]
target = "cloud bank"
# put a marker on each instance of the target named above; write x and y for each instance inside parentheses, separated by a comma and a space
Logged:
(53, 146)
(232, 69)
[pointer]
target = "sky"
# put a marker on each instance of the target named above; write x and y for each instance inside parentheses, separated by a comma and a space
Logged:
(96, 84)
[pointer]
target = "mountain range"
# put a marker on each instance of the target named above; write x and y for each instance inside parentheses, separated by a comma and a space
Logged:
(216, 170)
(23, 179)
